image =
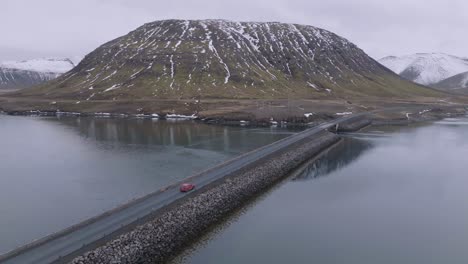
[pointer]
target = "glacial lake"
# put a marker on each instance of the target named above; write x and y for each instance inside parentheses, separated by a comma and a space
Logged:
(55, 172)
(386, 195)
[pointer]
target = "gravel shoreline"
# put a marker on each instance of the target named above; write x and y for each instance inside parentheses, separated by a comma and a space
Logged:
(163, 237)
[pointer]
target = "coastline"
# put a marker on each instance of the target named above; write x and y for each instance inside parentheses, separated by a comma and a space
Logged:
(294, 162)
(253, 113)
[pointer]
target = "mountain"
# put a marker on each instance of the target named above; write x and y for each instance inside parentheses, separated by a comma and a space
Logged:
(223, 59)
(426, 68)
(23, 74)
(455, 84)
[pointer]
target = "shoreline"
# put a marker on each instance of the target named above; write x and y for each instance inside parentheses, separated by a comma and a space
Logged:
(143, 221)
(244, 112)
(163, 237)
(431, 113)
(156, 241)
(254, 156)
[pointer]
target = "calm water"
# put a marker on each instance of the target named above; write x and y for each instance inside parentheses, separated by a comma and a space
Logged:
(57, 172)
(394, 197)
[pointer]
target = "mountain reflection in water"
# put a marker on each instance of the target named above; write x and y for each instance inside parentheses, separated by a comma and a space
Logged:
(336, 158)
(188, 134)
(57, 171)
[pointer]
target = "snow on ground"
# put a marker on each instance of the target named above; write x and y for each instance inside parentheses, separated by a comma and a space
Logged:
(429, 67)
(176, 116)
(344, 113)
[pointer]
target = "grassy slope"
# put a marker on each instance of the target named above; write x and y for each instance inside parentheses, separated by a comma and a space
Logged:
(156, 81)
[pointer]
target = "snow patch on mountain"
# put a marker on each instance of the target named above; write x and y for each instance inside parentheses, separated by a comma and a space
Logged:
(457, 83)
(463, 79)
(41, 65)
(225, 59)
(27, 73)
(426, 68)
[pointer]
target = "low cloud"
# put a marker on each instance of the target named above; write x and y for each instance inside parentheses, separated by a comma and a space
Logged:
(67, 28)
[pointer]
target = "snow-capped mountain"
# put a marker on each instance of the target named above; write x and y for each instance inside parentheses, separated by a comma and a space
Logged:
(426, 68)
(225, 59)
(24, 74)
(456, 84)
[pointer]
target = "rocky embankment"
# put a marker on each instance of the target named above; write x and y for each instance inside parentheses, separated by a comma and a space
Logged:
(352, 125)
(161, 238)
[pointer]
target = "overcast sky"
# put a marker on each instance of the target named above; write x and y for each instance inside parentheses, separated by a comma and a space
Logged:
(64, 28)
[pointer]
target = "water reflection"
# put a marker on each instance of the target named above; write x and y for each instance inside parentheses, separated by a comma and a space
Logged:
(141, 131)
(188, 134)
(335, 159)
(55, 172)
(453, 122)
(402, 201)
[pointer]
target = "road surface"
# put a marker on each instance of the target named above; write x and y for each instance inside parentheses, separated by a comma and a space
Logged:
(53, 248)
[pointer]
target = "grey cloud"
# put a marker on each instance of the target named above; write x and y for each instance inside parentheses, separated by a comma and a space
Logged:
(66, 28)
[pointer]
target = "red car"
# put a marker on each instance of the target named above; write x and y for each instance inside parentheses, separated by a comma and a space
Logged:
(187, 187)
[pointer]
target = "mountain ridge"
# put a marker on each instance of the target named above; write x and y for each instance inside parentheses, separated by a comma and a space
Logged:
(226, 59)
(28, 73)
(426, 68)
(455, 84)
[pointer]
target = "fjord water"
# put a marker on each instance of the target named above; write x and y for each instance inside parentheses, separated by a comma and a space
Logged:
(394, 197)
(55, 172)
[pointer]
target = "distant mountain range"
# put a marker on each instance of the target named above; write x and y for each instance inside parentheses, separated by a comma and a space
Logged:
(24, 74)
(456, 84)
(173, 59)
(439, 70)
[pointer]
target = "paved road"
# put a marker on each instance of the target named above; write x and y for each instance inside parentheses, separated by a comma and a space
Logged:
(67, 242)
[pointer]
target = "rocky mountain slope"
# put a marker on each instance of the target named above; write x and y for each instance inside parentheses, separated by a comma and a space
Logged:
(426, 68)
(223, 59)
(24, 74)
(455, 84)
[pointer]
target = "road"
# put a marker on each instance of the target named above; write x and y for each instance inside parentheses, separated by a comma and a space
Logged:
(52, 248)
